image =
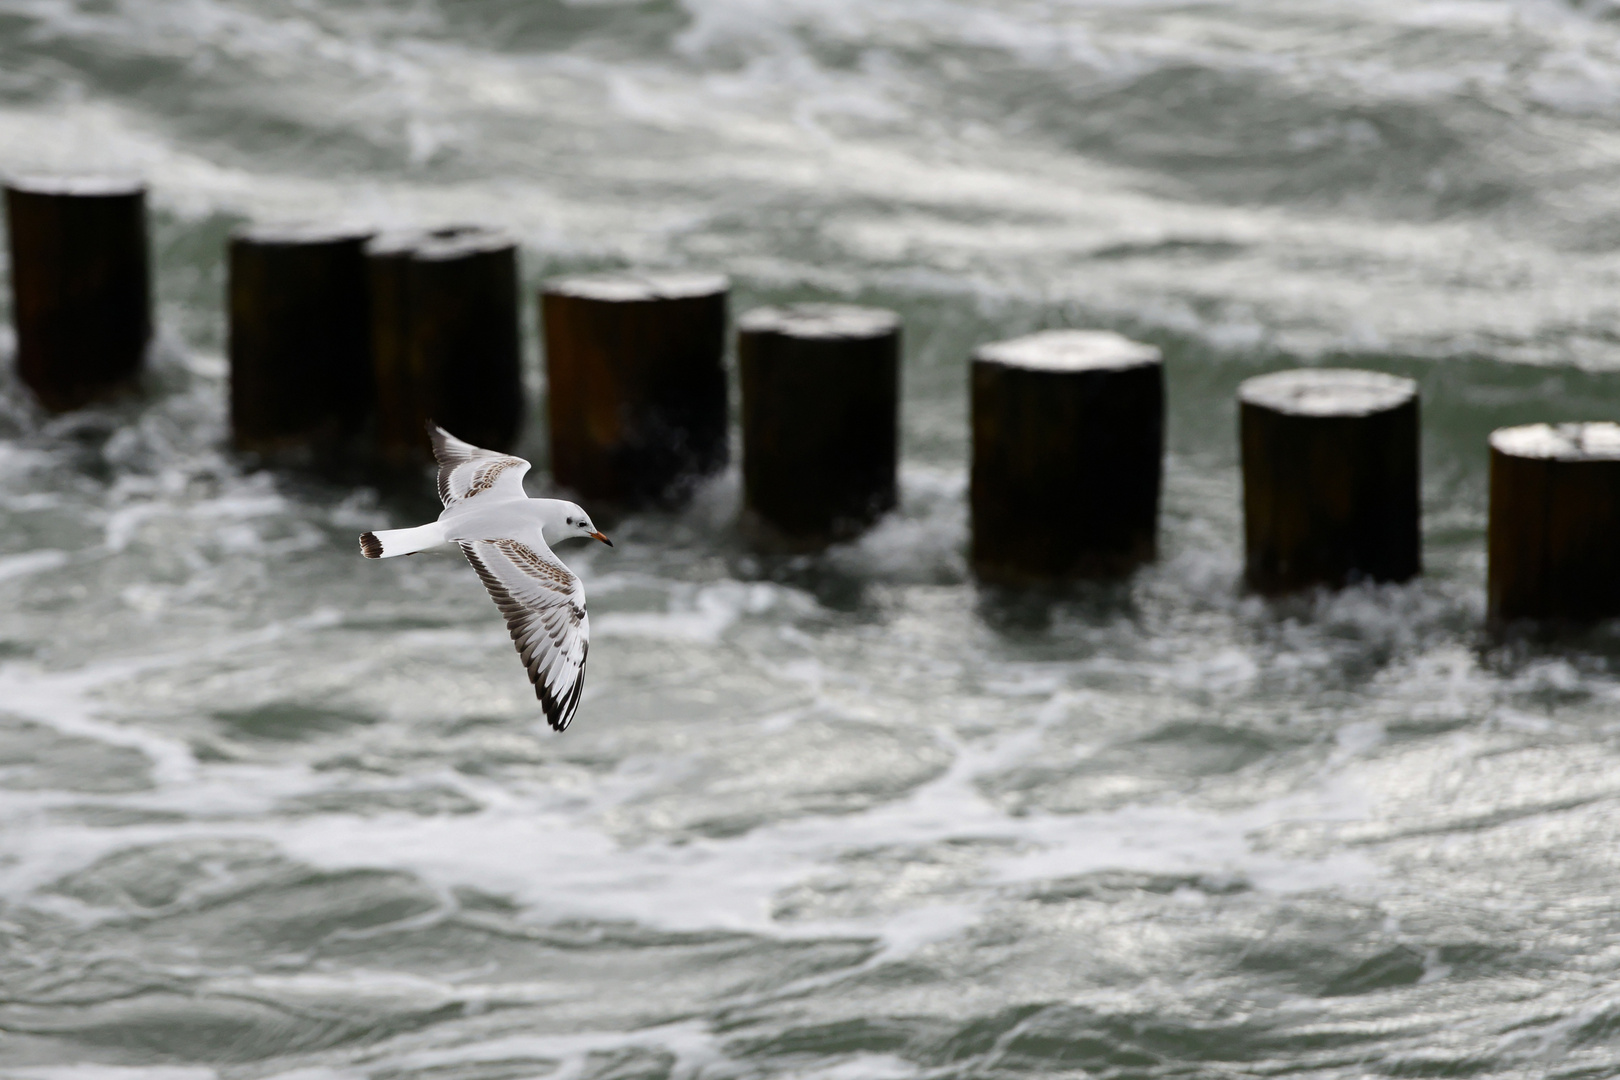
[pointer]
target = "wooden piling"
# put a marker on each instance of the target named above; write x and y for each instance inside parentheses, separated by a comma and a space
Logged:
(400, 437)
(1068, 448)
(820, 409)
(1330, 478)
(1554, 530)
(299, 339)
(81, 287)
(445, 339)
(637, 398)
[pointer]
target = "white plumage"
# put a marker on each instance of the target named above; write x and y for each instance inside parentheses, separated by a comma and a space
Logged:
(504, 535)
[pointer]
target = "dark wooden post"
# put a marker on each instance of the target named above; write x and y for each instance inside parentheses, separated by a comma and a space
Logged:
(1555, 523)
(299, 339)
(445, 339)
(80, 286)
(1068, 448)
(820, 410)
(1330, 478)
(401, 437)
(637, 383)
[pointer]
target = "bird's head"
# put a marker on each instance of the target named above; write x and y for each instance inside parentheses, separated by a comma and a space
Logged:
(576, 522)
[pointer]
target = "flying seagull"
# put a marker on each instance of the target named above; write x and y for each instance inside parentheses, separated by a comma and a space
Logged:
(504, 535)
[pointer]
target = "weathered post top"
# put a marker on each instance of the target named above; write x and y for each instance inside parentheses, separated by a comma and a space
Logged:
(461, 241)
(818, 322)
(1069, 351)
(88, 184)
(1327, 392)
(407, 241)
(1591, 441)
(628, 288)
(299, 234)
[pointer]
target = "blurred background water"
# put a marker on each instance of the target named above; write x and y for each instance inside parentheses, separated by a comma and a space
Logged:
(270, 810)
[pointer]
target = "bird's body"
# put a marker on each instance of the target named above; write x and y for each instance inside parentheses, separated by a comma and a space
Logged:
(504, 535)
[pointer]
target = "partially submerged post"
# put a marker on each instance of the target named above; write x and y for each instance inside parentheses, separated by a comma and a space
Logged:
(1068, 448)
(820, 407)
(299, 339)
(1330, 478)
(637, 383)
(1554, 523)
(81, 288)
(400, 438)
(445, 339)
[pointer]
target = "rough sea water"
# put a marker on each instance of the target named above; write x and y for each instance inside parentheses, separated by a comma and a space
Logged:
(270, 810)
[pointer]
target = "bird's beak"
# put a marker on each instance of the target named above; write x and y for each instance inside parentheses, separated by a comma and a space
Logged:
(599, 536)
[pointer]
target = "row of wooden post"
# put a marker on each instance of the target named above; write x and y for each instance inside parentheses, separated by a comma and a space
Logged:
(1068, 429)
(335, 333)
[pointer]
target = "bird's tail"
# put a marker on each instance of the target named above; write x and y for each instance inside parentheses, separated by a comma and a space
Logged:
(390, 542)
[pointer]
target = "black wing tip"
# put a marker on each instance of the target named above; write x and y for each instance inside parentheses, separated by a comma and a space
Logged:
(559, 714)
(370, 546)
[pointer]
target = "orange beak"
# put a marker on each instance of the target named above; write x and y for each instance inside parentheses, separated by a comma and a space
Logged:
(599, 536)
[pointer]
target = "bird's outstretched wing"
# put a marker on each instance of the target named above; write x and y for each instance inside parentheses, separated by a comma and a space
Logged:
(544, 605)
(467, 471)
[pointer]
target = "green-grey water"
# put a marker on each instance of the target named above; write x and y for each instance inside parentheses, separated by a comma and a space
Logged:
(270, 810)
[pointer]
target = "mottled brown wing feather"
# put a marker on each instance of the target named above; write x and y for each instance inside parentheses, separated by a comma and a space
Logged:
(544, 607)
(466, 471)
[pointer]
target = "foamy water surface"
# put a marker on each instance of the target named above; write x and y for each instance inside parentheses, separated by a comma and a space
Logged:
(267, 809)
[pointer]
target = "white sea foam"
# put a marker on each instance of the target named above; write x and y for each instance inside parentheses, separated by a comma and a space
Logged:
(31, 562)
(114, 1072)
(864, 747)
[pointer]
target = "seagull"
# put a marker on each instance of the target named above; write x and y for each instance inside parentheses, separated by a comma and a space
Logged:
(504, 534)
